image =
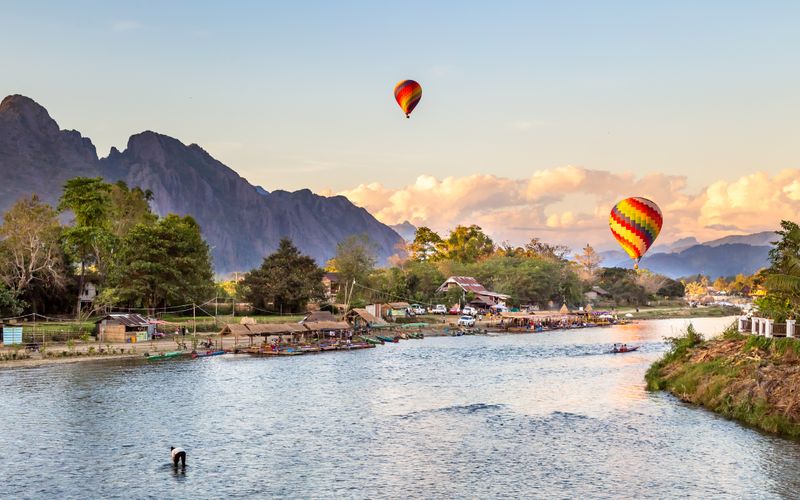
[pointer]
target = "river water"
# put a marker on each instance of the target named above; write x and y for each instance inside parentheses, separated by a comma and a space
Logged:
(548, 415)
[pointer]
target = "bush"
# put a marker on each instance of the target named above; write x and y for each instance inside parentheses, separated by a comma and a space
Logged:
(679, 348)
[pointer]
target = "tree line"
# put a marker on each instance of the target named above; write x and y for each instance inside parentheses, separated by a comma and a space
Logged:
(113, 240)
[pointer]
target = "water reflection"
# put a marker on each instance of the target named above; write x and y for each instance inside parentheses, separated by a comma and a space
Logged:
(540, 415)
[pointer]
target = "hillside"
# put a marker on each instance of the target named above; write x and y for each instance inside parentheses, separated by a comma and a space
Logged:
(241, 223)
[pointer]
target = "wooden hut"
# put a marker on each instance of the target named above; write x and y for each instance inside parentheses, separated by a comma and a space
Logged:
(282, 332)
(362, 320)
(124, 328)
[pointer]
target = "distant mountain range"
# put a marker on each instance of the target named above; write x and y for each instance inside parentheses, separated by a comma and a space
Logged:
(726, 256)
(241, 222)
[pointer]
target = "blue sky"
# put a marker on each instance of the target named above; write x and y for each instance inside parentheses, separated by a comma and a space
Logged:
(299, 94)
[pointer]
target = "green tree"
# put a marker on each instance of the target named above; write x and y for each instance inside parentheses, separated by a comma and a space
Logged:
(468, 244)
(622, 285)
(427, 245)
(89, 201)
(782, 278)
(355, 260)
(286, 280)
(671, 288)
(161, 263)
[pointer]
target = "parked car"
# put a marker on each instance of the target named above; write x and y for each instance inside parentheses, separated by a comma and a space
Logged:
(417, 309)
(470, 311)
(439, 309)
(466, 321)
(455, 310)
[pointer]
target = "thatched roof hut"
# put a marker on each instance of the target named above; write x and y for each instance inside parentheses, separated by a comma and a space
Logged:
(361, 317)
(235, 329)
(328, 326)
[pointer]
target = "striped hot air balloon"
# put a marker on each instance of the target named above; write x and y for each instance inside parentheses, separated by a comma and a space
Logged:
(635, 223)
(408, 93)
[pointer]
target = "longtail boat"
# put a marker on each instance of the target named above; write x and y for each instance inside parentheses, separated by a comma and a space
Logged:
(166, 355)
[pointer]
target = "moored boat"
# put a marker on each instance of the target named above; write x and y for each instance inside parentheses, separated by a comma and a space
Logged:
(205, 354)
(166, 355)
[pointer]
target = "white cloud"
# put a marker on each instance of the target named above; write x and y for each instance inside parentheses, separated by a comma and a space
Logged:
(571, 204)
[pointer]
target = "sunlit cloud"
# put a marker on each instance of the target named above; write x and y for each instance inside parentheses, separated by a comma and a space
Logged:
(570, 204)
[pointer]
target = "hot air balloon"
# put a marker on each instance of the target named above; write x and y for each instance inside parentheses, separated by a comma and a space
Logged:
(635, 223)
(407, 93)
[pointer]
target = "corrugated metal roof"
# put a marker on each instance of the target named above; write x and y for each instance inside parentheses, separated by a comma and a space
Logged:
(128, 319)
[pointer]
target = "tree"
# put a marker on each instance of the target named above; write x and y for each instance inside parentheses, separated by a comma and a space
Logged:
(128, 207)
(621, 284)
(427, 245)
(355, 259)
(468, 244)
(589, 261)
(286, 280)
(671, 288)
(161, 263)
(538, 248)
(31, 251)
(89, 201)
(782, 278)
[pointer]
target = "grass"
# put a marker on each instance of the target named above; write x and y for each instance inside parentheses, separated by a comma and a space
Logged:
(746, 378)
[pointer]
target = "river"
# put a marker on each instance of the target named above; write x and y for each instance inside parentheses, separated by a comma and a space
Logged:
(547, 415)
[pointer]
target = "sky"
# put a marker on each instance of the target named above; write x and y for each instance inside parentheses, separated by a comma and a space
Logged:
(535, 116)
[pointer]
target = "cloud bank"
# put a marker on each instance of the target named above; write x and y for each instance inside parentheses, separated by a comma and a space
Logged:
(570, 204)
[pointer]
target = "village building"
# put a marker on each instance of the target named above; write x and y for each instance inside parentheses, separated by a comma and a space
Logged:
(317, 316)
(117, 327)
(484, 299)
(330, 281)
(362, 320)
(596, 294)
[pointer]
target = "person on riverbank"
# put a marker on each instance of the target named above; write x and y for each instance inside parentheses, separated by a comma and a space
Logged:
(178, 455)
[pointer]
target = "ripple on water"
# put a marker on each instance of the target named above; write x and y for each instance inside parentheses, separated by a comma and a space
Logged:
(543, 415)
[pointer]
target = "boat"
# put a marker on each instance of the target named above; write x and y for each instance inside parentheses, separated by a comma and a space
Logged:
(629, 349)
(166, 355)
(205, 354)
(389, 339)
(373, 341)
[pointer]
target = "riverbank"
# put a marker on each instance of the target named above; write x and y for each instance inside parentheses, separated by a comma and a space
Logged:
(754, 380)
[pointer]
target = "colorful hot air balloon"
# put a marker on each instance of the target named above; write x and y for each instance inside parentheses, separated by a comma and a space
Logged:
(635, 223)
(408, 93)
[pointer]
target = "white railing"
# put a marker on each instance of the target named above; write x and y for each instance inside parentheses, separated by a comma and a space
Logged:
(765, 327)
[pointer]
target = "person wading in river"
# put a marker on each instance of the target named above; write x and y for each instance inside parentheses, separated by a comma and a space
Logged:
(178, 455)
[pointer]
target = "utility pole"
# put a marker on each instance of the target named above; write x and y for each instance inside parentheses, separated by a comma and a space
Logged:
(194, 320)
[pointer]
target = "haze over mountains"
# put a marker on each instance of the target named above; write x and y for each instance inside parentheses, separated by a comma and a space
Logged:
(726, 256)
(242, 223)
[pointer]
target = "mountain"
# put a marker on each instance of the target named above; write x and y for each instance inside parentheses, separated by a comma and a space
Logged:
(242, 223)
(764, 238)
(36, 156)
(714, 261)
(407, 230)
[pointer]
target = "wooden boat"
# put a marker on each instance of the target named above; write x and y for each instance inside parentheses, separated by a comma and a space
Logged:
(629, 349)
(389, 339)
(373, 341)
(166, 355)
(205, 354)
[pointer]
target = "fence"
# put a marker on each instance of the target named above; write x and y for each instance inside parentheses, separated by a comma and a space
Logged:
(767, 327)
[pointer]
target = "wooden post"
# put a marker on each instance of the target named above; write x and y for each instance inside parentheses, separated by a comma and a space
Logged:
(194, 320)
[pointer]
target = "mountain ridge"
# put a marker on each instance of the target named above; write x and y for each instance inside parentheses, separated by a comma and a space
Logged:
(242, 223)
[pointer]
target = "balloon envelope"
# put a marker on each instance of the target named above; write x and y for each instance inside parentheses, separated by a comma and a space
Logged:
(407, 93)
(635, 223)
